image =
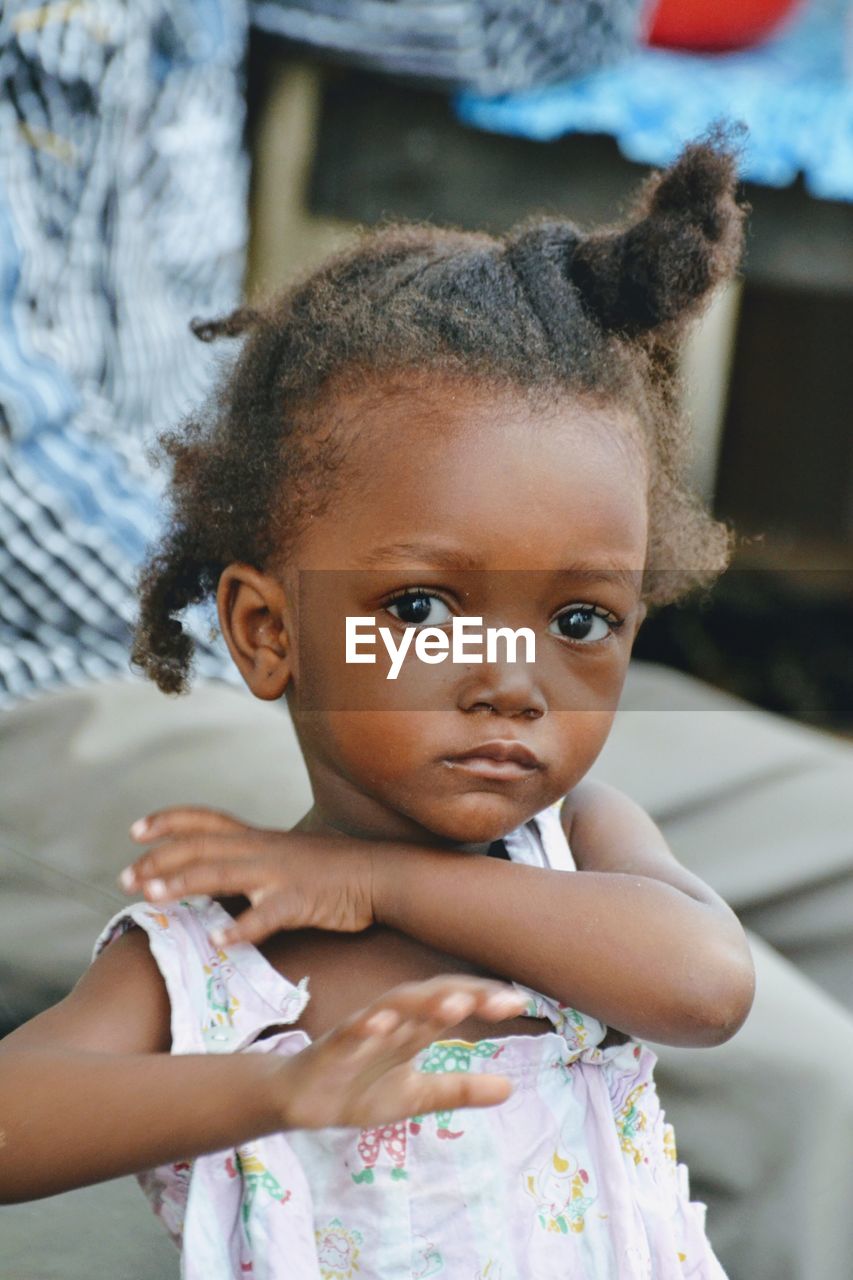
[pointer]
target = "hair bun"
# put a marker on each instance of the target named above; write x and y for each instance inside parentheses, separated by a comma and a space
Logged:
(687, 236)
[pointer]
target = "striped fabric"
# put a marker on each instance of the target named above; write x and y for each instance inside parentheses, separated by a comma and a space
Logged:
(122, 215)
(490, 46)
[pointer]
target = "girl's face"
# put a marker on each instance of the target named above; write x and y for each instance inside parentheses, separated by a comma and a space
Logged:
(454, 500)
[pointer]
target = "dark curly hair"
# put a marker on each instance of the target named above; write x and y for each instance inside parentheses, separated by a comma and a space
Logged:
(545, 308)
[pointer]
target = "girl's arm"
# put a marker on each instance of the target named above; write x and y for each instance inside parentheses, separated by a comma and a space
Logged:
(89, 1091)
(633, 938)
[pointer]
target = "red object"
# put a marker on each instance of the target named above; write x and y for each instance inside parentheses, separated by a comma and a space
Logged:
(716, 25)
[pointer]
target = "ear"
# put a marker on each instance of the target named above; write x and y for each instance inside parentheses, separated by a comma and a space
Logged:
(252, 614)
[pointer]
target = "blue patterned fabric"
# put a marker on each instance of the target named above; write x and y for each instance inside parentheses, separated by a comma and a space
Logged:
(493, 46)
(122, 215)
(795, 94)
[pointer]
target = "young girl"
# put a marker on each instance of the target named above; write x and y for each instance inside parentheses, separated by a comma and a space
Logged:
(435, 426)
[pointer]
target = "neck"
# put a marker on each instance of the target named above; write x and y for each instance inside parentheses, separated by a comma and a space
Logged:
(341, 810)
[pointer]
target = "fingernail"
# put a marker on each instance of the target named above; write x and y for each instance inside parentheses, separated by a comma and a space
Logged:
(127, 879)
(457, 1006)
(217, 936)
(157, 888)
(139, 828)
(383, 1021)
(506, 1002)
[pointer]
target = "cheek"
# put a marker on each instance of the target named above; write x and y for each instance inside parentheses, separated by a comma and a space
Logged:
(580, 737)
(587, 682)
(324, 681)
(388, 744)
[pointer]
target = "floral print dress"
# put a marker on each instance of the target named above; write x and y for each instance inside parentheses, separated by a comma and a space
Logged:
(574, 1177)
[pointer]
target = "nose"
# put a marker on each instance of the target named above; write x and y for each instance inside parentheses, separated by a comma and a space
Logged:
(503, 689)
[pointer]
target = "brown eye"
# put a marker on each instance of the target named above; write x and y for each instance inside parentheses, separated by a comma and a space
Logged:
(418, 609)
(581, 623)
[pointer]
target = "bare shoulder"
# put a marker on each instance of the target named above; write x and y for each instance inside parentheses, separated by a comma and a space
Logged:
(608, 831)
(119, 1005)
(596, 806)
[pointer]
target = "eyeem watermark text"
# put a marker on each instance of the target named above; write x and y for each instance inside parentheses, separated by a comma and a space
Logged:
(468, 641)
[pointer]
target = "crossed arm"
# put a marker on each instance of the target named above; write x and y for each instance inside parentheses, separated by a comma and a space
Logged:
(636, 940)
(89, 1090)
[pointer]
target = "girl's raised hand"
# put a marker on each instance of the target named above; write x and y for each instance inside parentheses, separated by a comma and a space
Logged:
(293, 881)
(361, 1072)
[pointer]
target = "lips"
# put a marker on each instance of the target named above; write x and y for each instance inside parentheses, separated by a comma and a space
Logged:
(500, 759)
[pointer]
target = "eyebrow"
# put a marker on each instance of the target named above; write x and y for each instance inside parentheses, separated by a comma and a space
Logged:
(630, 579)
(441, 558)
(446, 558)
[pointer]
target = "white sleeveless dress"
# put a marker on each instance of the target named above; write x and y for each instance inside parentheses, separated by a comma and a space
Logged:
(574, 1177)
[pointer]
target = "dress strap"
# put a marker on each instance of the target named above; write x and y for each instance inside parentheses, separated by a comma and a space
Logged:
(541, 842)
(221, 997)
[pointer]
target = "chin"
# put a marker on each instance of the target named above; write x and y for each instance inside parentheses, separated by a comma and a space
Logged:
(477, 818)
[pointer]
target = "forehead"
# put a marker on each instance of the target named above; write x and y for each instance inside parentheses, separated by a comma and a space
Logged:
(510, 480)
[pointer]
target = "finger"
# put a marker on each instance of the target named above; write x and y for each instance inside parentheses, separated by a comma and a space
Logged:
(185, 820)
(175, 855)
(414, 1033)
(416, 1013)
(447, 999)
(423, 1025)
(451, 1092)
(496, 1008)
(257, 923)
(217, 878)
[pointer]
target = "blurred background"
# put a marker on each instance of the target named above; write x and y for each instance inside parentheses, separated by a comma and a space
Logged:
(160, 160)
(769, 378)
